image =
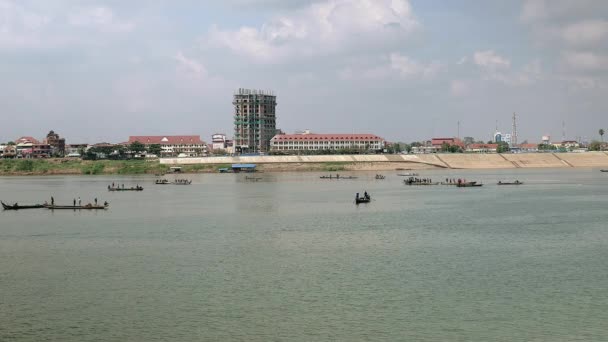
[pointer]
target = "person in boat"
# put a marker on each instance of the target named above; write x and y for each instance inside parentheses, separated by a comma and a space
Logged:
(105, 204)
(108, 187)
(499, 182)
(52, 200)
(95, 201)
(74, 202)
(366, 195)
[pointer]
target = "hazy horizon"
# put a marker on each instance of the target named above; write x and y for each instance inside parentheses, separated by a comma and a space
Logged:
(102, 70)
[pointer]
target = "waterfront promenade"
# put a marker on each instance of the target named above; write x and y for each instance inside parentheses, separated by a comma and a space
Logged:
(416, 161)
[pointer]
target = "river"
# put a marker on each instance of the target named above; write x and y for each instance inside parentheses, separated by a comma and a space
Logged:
(291, 258)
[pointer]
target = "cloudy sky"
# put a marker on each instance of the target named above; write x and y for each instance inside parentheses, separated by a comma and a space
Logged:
(101, 70)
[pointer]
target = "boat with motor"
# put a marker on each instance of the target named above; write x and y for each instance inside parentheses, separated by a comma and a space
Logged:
(16, 206)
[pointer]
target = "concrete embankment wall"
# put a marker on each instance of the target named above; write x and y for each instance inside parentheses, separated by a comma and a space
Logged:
(456, 160)
(525, 160)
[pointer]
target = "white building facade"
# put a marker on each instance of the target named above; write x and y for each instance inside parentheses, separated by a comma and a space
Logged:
(311, 141)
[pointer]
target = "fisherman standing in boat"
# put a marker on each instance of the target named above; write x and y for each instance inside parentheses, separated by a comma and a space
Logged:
(52, 200)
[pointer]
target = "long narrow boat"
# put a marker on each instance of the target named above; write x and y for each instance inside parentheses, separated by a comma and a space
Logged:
(182, 183)
(18, 207)
(139, 188)
(77, 207)
(469, 185)
(408, 174)
(604, 170)
(338, 177)
(419, 183)
(510, 183)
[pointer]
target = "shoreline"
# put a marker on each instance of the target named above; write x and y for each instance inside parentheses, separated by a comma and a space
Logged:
(338, 163)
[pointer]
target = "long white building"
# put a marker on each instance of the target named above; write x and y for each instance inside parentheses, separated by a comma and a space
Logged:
(311, 141)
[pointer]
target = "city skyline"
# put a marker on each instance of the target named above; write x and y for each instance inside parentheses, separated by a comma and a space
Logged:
(405, 70)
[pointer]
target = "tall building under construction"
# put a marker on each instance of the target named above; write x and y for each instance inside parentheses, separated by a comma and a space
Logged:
(254, 119)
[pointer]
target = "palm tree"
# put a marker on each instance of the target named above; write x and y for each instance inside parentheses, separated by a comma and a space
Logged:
(601, 137)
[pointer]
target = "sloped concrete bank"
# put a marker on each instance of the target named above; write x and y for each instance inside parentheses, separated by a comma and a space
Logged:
(423, 161)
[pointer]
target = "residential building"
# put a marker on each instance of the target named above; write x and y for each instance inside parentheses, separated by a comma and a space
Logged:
(254, 120)
(74, 150)
(174, 145)
(218, 141)
(56, 142)
(312, 141)
(528, 148)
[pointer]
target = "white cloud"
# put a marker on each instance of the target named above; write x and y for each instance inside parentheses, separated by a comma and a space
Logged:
(459, 88)
(320, 28)
(490, 60)
(101, 18)
(586, 32)
(189, 65)
(585, 60)
(409, 68)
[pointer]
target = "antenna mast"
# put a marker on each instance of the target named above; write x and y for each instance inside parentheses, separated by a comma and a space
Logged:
(514, 132)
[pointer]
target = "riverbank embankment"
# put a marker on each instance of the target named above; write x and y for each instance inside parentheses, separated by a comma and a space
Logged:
(407, 161)
(324, 163)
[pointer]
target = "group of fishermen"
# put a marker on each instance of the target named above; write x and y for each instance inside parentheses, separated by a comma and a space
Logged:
(379, 176)
(74, 202)
(122, 186)
(455, 181)
(416, 180)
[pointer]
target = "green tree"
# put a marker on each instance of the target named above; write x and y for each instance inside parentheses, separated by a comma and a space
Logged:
(137, 147)
(11, 143)
(503, 147)
(445, 147)
(602, 134)
(154, 149)
(595, 146)
(546, 147)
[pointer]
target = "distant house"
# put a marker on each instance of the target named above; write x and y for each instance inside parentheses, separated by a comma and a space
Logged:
(482, 148)
(438, 142)
(528, 148)
(174, 145)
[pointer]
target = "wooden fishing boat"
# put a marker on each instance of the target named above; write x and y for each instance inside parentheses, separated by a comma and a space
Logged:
(468, 185)
(406, 182)
(337, 177)
(604, 170)
(137, 188)
(77, 207)
(510, 183)
(182, 183)
(364, 199)
(18, 207)
(161, 182)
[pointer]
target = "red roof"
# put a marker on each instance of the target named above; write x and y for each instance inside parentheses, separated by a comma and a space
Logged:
(449, 141)
(167, 139)
(27, 139)
(313, 137)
